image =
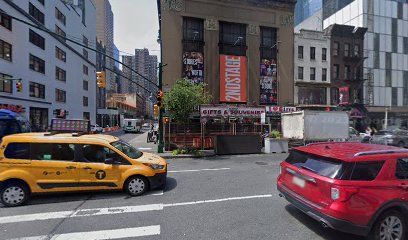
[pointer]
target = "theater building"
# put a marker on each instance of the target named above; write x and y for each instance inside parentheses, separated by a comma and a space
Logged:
(242, 49)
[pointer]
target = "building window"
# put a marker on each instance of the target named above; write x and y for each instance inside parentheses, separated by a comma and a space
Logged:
(60, 74)
(60, 16)
(357, 73)
(347, 72)
(60, 32)
(85, 53)
(324, 74)
(85, 69)
(312, 53)
(85, 41)
(388, 78)
(36, 39)
(312, 73)
(394, 96)
(37, 90)
(269, 45)
(300, 52)
(85, 101)
(232, 39)
(41, 1)
(86, 115)
(85, 85)
(5, 50)
(37, 64)
(324, 54)
(336, 69)
(300, 73)
(60, 54)
(311, 95)
(356, 50)
(5, 84)
(60, 95)
(193, 34)
(336, 49)
(34, 12)
(5, 21)
(346, 50)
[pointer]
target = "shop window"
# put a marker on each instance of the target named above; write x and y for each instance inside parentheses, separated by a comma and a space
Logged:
(5, 84)
(60, 16)
(310, 95)
(60, 54)
(232, 39)
(60, 95)
(300, 52)
(60, 74)
(5, 20)
(269, 44)
(37, 64)
(5, 50)
(36, 39)
(312, 53)
(37, 90)
(34, 12)
(193, 34)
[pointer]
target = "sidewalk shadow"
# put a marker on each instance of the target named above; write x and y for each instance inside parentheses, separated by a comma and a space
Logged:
(326, 233)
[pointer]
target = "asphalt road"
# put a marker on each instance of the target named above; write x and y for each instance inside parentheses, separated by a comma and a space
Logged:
(228, 197)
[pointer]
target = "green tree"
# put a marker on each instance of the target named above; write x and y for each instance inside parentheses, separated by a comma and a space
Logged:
(182, 99)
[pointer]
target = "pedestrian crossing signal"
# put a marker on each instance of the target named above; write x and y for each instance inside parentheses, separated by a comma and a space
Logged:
(19, 86)
(166, 120)
(101, 79)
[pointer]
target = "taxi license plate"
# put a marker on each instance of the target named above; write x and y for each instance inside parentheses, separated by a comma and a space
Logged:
(298, 181)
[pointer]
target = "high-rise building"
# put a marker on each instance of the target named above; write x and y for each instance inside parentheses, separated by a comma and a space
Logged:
(55, 74)
(104, 32)
(306, 8)
(386, 53)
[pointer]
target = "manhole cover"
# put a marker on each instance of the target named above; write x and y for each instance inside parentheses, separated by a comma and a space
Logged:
(261, 163)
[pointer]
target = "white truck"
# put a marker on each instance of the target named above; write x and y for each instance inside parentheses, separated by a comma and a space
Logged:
(132, 125)
(311, 126)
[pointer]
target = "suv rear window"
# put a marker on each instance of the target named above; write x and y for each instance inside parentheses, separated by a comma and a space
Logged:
(336, 169)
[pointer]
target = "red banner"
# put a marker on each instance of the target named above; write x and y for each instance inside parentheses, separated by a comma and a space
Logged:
(233, 73)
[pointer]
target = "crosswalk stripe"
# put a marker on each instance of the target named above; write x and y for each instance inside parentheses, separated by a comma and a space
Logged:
(80, 213)
(199, 170)
(103, 234)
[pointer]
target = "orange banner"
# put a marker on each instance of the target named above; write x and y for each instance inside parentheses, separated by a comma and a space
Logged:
(233, 74)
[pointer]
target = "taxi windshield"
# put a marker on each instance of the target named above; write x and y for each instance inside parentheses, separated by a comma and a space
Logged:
(127, 149)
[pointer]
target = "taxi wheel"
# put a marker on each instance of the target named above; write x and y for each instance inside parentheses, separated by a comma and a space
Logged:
(14, 194)
(136, 185)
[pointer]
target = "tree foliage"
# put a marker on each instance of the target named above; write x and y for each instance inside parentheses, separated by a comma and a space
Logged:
(183, 98)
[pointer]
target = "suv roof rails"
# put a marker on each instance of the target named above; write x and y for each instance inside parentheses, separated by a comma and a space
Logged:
(375, 152)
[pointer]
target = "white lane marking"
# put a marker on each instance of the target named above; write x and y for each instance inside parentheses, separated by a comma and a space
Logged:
(103, 234)
(199, 170)
(145, 148)
(216, 200)
(116, 210)
(80, 213)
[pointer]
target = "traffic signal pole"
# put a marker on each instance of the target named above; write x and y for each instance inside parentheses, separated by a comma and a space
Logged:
(160, 146)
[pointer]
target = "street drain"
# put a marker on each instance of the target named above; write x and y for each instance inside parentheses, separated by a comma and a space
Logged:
(261, 163)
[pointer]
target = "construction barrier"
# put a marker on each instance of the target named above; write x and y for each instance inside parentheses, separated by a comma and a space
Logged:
(110, 129)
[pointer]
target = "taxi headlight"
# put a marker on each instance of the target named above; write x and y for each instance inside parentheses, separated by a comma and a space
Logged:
(155, 166)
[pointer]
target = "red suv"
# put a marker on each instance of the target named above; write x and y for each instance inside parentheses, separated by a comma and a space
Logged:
(351, 187)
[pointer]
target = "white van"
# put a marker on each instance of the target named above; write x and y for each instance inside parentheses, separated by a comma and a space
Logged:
(132, 125)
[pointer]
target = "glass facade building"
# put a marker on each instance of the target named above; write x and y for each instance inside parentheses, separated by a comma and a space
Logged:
(306, 8)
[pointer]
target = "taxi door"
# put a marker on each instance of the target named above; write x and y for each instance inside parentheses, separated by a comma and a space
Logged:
(94, 174)
(53, 167)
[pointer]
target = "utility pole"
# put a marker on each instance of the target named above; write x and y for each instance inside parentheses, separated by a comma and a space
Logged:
(160, 145)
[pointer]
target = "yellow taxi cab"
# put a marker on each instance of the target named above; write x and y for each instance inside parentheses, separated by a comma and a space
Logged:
(32, 163)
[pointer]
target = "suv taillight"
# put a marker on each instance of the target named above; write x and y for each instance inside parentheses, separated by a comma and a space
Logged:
(343, 194)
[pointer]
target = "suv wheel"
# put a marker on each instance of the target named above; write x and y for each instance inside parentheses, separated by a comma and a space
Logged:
(391, 225)
(136, 185)
(14, 194)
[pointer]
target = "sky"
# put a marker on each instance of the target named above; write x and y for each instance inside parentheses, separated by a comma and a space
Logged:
(136, 25)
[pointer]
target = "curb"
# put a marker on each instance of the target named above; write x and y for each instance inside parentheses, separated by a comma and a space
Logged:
(181, 156)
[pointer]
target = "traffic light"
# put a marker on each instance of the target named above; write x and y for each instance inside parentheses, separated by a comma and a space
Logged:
(166, 120)
(19, 86)
(101, 79)
(156, 110)
(159, 99)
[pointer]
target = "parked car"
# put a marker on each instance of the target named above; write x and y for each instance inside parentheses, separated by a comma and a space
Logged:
(395, 137)
(96, 128)
(146, 126)
(351, 187)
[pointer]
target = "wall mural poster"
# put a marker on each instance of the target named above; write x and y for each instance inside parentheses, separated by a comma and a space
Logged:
(193, 67)
(268, 82)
